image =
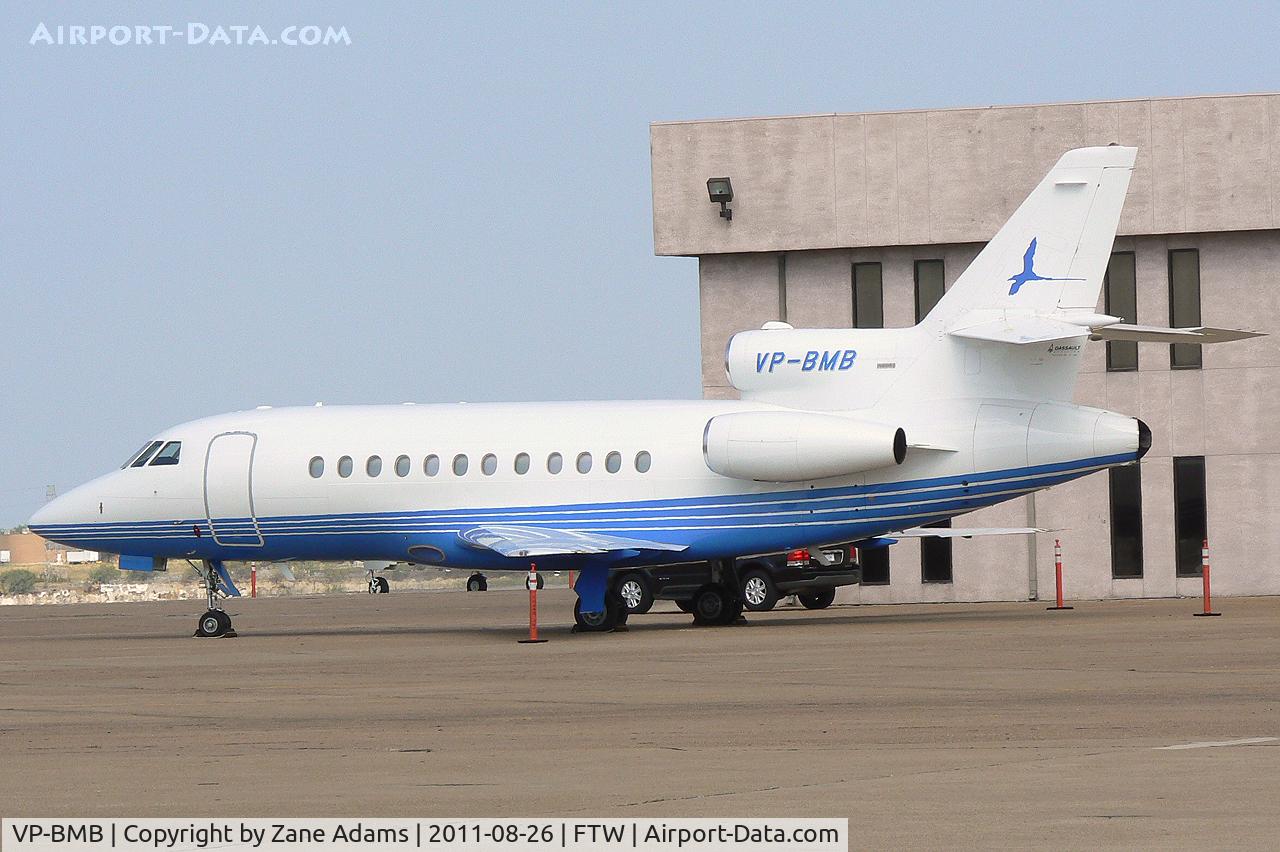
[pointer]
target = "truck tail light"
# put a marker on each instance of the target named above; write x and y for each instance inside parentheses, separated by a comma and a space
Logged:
(798, 558)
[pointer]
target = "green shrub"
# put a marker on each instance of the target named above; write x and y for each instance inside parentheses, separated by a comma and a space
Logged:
(98, 576)
(18, 582)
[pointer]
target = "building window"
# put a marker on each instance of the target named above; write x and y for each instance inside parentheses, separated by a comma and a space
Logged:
(1190, 518)
(875, 565)
(643, 461)
(613, 462)
(782, 287)
(1120, 287)
(868, 295)
(344, 466)
(584, 462)
(402, 466)
(316, 467)
(555, 463)
(935, 557)
(522, 463)
(1184, 305)
(460, 464)
(489, 464)
(431, 465)
(373, 466)
(930, 286)
(1126, 521)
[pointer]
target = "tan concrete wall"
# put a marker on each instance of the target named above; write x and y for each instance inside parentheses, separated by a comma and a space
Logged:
(954, 176)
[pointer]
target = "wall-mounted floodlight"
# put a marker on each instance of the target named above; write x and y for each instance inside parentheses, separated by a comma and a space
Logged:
(720, 191)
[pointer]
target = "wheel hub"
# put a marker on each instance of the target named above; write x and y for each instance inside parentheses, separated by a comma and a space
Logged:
(754, 591)
(630, 593)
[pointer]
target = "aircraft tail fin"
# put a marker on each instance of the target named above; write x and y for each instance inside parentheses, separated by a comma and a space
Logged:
(1053, 252)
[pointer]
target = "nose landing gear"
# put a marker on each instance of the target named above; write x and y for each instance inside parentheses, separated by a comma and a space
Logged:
(378, 585)
(215, 622)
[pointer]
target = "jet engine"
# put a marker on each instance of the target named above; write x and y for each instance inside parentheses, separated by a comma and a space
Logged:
(791, 446)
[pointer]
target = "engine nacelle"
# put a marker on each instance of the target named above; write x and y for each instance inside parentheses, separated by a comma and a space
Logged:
(791, 446)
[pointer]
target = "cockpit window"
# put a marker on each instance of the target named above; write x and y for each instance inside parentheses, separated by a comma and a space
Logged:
(168, 454)
(148, 445)
(145, 456)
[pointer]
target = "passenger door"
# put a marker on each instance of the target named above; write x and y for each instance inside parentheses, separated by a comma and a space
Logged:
(228, 490)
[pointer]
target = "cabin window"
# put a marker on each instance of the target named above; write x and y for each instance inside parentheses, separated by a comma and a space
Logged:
(460, 465)
(431, 465)
(402, 466)
(489, 464)
(522, 463)
(168, 454)
(373, 466)
(316, 467)
(584, 462)
(555, 463)
(344, 466)
(643, 461)
(146, 454)
(613, 462)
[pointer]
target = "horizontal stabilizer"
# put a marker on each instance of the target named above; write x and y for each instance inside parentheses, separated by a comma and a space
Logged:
(970, 532)
(1156, 334)
(542, 541)
(1022, 330)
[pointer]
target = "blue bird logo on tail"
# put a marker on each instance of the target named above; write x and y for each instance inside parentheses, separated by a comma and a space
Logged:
(1028, 272)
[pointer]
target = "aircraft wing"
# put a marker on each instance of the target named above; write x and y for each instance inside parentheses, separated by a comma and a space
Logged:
(1156, 334)
(963, 532)
(544, 541)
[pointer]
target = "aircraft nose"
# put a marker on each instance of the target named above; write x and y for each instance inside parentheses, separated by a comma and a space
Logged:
(50, 514)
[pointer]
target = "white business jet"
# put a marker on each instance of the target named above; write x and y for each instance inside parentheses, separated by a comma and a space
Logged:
(840, 436)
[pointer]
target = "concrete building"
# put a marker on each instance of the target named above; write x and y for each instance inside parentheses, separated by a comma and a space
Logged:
(847, 219)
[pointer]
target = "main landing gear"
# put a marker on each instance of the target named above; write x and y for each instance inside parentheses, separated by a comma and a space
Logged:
(215, 622)
(719, 602)
(613, 617)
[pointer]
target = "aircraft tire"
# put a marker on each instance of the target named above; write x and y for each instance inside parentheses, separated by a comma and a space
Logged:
(714, 605)
(477, 583)
(758, 592)
(379, 586)
(596, 622)
(213, 623)
(818, 600)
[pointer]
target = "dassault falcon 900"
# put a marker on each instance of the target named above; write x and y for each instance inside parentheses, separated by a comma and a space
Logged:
(840, 436)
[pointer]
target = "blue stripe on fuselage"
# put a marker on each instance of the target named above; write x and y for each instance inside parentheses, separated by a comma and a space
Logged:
(749, 521)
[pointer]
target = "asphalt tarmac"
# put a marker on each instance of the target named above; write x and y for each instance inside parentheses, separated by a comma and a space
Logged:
(1116, 724)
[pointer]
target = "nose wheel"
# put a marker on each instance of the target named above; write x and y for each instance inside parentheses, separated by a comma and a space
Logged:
(215, 622)
(378, 585)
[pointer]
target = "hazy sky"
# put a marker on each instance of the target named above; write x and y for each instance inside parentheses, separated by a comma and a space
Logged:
(454, 206)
